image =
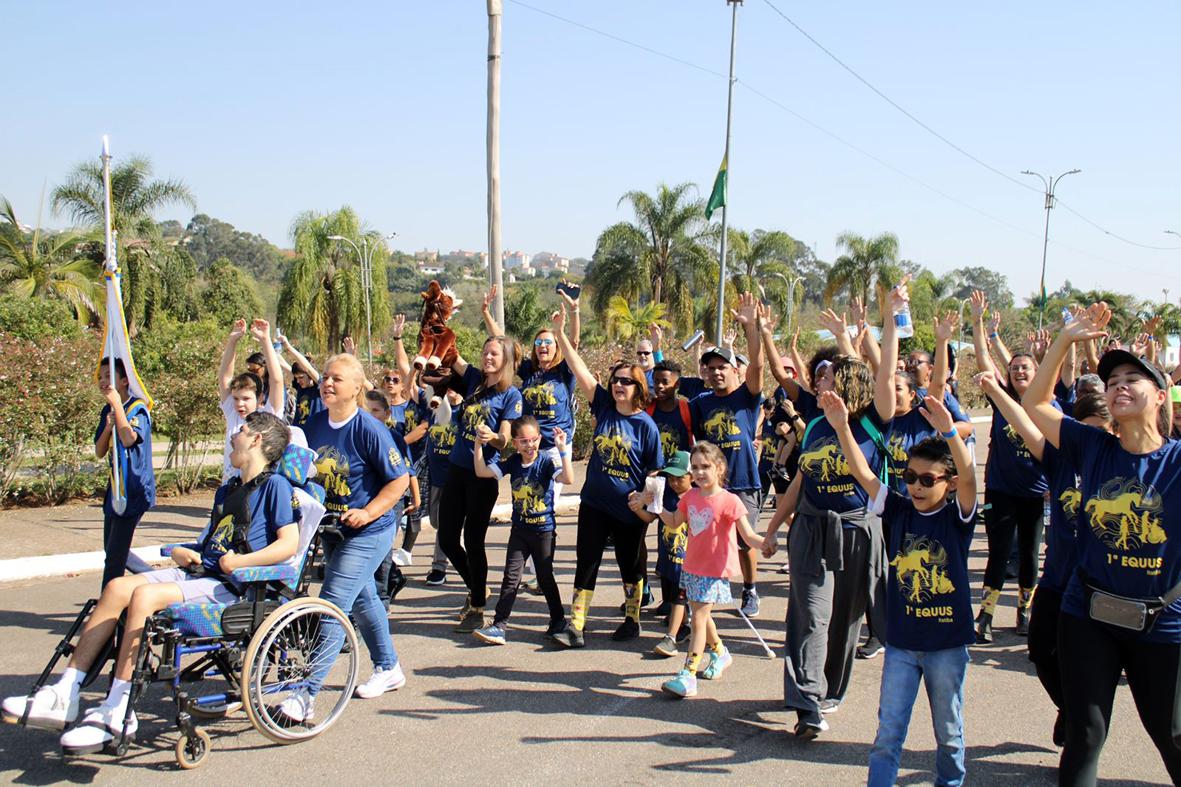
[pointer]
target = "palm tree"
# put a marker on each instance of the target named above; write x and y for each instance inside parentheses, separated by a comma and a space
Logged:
(321, 297)
(867, 263)
(624, 322)
(761, 256)
(1124, 320)
(661, 255)
(134, 197)
(55, 266)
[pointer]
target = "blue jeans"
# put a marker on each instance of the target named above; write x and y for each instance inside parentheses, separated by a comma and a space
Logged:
(943, 673)
(348, 583)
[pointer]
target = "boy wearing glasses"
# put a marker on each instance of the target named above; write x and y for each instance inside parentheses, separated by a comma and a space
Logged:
(532, 476)
(928, 601)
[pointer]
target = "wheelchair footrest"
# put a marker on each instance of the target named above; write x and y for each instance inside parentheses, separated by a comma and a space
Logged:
(246, 616)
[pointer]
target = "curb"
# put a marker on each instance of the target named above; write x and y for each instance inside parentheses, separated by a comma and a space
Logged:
(148, 557)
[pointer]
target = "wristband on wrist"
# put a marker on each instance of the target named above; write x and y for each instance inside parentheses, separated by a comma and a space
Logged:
(657, 355)
(993, 335)
(397, 338)
(949, 435)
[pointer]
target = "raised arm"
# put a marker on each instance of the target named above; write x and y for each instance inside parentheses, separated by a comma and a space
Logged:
(225, 371)
(400, 357)
(312, 371)
(994, 336)
(835, 324)
(1014, 413)
(747, 316)
(804, 373)
(944, 328)
(979, 337)
(774, 359)
(939, 417)
(489, 320)
(575, 319)
(586, 380)
(1039, 397)
(838, 417)
(884, 400)
(261, 331)
(566, 476)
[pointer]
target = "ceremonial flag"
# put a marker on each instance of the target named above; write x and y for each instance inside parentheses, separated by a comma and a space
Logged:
(717, 197)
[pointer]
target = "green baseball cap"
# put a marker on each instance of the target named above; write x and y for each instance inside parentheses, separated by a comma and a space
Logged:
(1175, 394)
(677, 464)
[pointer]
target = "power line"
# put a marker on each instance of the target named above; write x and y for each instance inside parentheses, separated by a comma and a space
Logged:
(944, 139)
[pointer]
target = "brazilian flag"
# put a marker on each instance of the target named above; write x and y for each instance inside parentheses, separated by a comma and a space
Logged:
(717, 197)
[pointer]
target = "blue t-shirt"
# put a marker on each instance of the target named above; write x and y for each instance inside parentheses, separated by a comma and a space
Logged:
(548, 396)
(625, 449)
(135, 466)
(404, 450)
(270, 509)
(729, 423)
(671, 541)
(532, 488)
(1129, 528)
(440, 439)
(353, 463)
(1011, 467)
(489, 409)
(827, 483)
(952, 404)
(307, 404)
(690, 387)
(1062, 529)
(674, 432)
(1065, 396)
(903, 433)
(928, 600)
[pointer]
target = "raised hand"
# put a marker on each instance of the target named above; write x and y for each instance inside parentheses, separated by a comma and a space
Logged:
(570, 303)
(484, 435)
(348, 345)
(1140, 344)
(558, 320)
(1152, 325)
(729, 336)
(656, 335)
(832, 322)
(748, 310)
(937, 414)
(559, 438)
(979, 303)
(238, 330)
(988, 383)
(261, 330)
(834, 407)
(768, 319)
(945, 326)
(1090, 323)
(488, 298)
(994, 322)
(795, 340)
(900, 294)
(857, 310)
(399, 324)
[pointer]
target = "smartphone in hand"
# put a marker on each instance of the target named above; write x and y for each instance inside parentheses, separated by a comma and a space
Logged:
(573, 290)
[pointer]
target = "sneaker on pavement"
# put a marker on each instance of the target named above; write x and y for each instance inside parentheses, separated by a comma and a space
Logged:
(401, 557)
(717, 664)
(49, 709)
(871, 649)
(830, 706)
(627, 630)
(493, 635)
(531, 586)
(381, 681)
(750, 603)
(474, 619)
(667, 647)
(397, 582)
(436, 577)
(299, 706)
(785, 569)
(683, 685)
(101, 725)
(467, 606)
(810, 729)
(569, 637)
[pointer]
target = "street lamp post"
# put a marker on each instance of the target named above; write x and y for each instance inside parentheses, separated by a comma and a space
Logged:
(791, 297)
(726, 158)
(1050, 184)
(365, 255)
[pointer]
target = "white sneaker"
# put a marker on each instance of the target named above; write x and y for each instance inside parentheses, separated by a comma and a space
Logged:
(100, 726)
(401, 557)
(382, 680)
(50, 708)
(300, 706)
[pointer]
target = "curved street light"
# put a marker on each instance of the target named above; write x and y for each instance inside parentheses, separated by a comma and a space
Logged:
(791, 295)
(1050, 184)
(365, 255)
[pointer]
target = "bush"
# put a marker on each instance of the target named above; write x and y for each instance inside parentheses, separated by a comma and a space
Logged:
(37, 319)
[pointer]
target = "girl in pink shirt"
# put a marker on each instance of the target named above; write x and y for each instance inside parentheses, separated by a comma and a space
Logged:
(711, 557)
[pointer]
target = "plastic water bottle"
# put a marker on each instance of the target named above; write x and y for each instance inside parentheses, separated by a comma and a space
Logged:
(903, 326)
(1067, 317)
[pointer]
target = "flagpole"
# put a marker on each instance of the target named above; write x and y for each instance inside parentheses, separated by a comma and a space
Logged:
(495, 272)
(726, 158)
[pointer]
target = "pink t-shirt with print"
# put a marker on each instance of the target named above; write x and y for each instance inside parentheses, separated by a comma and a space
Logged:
(711, 550)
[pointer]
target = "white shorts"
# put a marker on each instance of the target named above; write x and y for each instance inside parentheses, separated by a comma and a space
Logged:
(192, 589)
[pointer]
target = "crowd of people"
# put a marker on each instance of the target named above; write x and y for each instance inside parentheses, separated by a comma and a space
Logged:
(869, 455)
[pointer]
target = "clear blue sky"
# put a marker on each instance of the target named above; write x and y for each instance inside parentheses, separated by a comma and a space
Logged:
(268, 109)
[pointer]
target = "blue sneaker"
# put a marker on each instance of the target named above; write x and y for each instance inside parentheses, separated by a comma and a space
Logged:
(493, 635)
(750, 603)
(717, 664)
(683, 685)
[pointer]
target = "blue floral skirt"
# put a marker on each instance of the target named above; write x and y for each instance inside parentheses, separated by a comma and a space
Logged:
(706, 590)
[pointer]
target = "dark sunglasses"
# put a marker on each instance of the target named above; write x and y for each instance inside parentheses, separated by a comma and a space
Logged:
(926, 479)
(623, 381)
(389, 379)
(643, 352)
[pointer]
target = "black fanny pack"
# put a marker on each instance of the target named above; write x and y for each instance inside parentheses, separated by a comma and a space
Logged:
(1133, 614)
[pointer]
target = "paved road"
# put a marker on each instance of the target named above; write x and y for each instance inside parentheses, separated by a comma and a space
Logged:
(527, 713)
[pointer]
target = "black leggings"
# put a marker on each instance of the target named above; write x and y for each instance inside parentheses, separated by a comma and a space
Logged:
(1005, 515)
(466, 509)
(1092, 656)
(593, 528)
(1043, 641)
(524, 544)
(118, 531)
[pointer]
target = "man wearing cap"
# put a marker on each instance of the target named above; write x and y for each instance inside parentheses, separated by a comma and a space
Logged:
(727, 415)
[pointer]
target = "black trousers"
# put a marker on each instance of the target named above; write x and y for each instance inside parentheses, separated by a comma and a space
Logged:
(1005, 517)
(1092, 656)
(594, 526)
(1043, 641)
(522, 545)
(117, 534)
(465, 510)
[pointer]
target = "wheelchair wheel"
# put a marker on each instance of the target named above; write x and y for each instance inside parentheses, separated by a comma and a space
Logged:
(193, 750)
(278, 667)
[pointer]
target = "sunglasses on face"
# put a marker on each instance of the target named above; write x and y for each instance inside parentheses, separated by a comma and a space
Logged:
(623, 381)
(643, 352)
(926, 479)
(390, 379)
(542, 342)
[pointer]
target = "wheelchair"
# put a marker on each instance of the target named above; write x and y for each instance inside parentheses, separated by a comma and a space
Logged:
(251, 654)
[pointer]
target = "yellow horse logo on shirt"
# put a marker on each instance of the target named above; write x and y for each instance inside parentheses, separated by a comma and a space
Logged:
(540, 395)
(1070, 499)
(303, 410)
(921, 569)
(824, 461)
(670, 441)
(613, 448)
(898, 454)
(720, 426)
(332, 471)
(528, 499)
(476, 414)
(1125, 515)
(442, 436)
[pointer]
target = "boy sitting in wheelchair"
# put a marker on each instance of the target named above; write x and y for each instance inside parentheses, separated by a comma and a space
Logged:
(252, 524)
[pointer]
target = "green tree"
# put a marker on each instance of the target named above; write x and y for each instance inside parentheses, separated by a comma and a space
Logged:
(762, 256)
(209, 239)
(53, 266)
(625, 322)
(524, 313)
(321, 298)
(662, 256)
(866, 263)
(993, 284)
(134, 197)
(229, 294)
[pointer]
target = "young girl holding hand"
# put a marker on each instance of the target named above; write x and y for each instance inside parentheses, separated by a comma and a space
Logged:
(711, 558)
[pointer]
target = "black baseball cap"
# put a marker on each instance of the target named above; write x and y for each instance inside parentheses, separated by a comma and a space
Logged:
(1114, 358)
(719, 352)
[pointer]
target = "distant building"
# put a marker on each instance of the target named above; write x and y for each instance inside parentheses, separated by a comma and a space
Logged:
(426, 257)
(472, 256)
(516, 259)
(547, 262)
(430, 270)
